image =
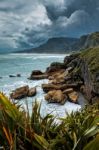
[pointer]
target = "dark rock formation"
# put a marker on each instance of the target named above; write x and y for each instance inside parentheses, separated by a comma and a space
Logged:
(12, 76)
(85, 71)
(18, 75)
(37, 75)
(55, 66)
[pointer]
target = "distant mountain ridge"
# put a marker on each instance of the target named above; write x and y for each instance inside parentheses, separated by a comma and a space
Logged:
(67, 44)
(55, 45)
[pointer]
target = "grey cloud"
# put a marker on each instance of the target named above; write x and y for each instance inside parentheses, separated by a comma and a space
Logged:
(30, 23)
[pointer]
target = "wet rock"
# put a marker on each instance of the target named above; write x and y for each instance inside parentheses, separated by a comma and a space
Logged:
(12, 76)
(37, 72)
(73, 97)
(32, 92)
(18, 75)
(56, 96)
(20, 93)
(38, 75)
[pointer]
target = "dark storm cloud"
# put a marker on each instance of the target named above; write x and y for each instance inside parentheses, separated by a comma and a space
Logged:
(30, 23)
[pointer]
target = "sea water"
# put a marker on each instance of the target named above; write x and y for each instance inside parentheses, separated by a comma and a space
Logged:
(24, 64)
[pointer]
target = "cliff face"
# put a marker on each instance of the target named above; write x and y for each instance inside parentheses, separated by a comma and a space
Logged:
(87, 41)
(86, 65)
(91, 57)
(92, 40)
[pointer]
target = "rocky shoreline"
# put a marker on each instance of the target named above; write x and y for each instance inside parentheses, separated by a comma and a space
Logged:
(65, 81)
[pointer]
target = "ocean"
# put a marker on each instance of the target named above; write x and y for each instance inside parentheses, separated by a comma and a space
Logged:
(24, 64)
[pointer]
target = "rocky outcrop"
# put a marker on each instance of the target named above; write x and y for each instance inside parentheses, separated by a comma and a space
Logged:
(55, 66)
(13, 76)
(49, 87)
(56, 96)
(86, 70)
(86, 75)
(23, 92)
(78, 73)
(37, 75)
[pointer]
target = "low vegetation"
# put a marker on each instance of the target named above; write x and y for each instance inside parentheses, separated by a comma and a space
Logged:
(91, 56)
(20, 131)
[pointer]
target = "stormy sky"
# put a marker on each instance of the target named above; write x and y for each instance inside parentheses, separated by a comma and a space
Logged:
(29, 23)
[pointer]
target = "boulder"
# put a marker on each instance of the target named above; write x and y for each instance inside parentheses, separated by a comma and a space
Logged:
(32, 92)
(20, 93)
(37, 72)
(18, 75)
(73, 96)
(12, 76)
(56, 96)
(38, 75)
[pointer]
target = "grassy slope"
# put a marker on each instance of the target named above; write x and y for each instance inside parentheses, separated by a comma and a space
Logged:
(91, 56)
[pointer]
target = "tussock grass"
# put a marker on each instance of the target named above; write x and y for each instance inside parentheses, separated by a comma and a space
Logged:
(19, 131)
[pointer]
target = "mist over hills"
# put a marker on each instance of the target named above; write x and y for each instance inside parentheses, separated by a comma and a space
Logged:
(63, 45)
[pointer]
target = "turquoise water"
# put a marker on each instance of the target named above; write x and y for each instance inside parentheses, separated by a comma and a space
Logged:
(12, 64)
